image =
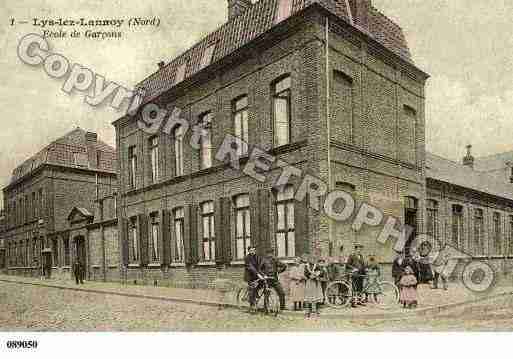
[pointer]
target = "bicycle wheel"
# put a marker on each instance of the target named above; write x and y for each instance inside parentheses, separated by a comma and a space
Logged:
(339, 294)
(389, 296)
(271, 302)
(242, 298)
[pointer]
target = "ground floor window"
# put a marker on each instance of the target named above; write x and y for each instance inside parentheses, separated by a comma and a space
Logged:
(208, 231)
(285, 223)
(178, 227)
(242, 226)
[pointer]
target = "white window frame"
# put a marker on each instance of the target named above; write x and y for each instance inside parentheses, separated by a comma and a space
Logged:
(208, 243)
(285, 227)
(242, 226)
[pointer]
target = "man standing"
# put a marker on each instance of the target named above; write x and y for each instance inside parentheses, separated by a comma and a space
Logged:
(252, 272)
(356, 267)
(271, 267)
(78, 272)
(398, 267)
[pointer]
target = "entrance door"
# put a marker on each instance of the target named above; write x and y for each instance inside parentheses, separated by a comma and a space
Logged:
(47, 264)
(81, 251)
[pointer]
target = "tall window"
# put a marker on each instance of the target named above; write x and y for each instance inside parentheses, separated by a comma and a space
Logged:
(457, 225)
(154, 159)
(510, 235)
(285, 228)
(281, 111)
(178, 135)
(242, 226)
(479, 231)
(132, 166)
(207, 219)
(497, 233)
(432, 219)
(27, 208)
(65, 243)
(133, 248)
(42, 211)
(55, 252)
(240, 120)
(154, 239)
(178, 227)
(27, 252)
(34, 206)
(35, 252)
(206, 141)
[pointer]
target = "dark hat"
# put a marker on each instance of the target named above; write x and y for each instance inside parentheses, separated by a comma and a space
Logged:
(251, 247)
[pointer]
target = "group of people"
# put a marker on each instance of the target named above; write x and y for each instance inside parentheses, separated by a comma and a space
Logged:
(409, 271)
(309, 277)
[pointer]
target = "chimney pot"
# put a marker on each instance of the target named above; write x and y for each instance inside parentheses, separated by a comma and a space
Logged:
(468, 160)
(237, 7)
(360, 10)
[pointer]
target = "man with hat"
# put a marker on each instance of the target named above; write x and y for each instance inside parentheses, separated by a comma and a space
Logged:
(356, 267)
(271, 267)
(252, 272)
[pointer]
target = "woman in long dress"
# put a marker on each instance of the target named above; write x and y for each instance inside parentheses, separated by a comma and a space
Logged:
(408, 288)
(313, 286)
(297, 284)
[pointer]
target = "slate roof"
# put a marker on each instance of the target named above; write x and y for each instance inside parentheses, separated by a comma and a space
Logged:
(493, 162)
(445, 170)
(254, 22)
(71, 150)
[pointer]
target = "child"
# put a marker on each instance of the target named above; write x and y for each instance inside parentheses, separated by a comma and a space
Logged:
(372, 280)
(297, 283)
(313, 287)
(408, 288)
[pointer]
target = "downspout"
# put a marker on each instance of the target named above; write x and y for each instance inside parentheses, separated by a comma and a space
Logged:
(328, 122)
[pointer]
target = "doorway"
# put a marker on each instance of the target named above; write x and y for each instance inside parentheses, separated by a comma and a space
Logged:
(80, 250)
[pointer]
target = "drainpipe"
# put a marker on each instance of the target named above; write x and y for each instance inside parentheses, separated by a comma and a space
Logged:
(328, 122)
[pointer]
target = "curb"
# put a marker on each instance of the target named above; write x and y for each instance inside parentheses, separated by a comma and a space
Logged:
(433, 310)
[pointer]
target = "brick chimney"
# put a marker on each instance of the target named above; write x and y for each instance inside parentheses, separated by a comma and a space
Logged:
(237, 7)
(91, 137)
(468, 160)
(360, 10)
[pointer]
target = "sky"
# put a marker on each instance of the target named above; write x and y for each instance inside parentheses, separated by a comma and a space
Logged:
(466, 47)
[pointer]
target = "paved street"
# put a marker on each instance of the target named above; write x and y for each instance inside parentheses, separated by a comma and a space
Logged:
(35, 308)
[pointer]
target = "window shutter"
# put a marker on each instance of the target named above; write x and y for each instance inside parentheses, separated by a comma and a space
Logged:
(143, 239)
(165, 234)
(301, 227)
(124, 241)
(219, 225)
(227, 229)
(191, 234)
(254, 207)
(194, 234)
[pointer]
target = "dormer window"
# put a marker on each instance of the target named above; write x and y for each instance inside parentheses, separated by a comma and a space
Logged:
(284, 10)
(180, 73)
(207, 56)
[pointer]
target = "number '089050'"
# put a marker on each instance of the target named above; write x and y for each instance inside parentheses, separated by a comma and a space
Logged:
(22, 344)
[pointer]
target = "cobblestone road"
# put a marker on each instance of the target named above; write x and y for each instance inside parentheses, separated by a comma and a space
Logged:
(32, 308)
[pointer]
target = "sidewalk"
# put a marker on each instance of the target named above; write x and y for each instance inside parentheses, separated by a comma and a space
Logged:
(430, 301)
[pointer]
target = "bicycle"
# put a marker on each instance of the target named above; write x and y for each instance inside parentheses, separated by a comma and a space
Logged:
(266, 297)
(341, 294)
